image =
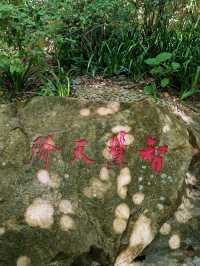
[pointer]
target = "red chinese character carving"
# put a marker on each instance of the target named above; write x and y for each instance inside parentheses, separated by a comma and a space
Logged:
(43, 148)
(154, 154)
(79, 152)
(117, 147)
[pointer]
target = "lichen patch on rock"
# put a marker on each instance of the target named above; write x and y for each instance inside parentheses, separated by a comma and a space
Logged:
(165, 229)
(119, 225)
(43, 177)
(85, 112)
(2, 231)
(141, 235)
(40, 214)
(174, 241)
(66, 207)
(67, 223)
(104, 174)
(23, 261)
(122, 211)
(119, 128)
(104, 111)
(129, 139)
(123, 180)
(166, 128)
(138, 198)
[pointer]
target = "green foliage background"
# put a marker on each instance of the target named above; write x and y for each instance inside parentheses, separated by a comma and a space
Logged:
(45, 43)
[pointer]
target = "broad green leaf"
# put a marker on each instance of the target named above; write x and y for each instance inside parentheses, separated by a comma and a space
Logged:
(6, 11)
(158, 70)
(162, 57)
(164, 82)
(175, 65)
(152, 61)
(16, 67)
(4, 62)
(150, 89)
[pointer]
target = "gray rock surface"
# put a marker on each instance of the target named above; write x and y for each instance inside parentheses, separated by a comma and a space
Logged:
(86, 214)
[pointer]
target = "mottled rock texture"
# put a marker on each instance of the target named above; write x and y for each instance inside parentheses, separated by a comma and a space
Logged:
(75, 213)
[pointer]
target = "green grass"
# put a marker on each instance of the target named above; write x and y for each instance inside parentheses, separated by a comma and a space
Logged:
(102, 37)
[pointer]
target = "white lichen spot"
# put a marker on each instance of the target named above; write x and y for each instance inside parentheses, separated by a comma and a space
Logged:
(138, 198)
(190, 179)
(119, 128)
(97, 188)
(162, 198)
(43, 177)
(163, 175)
(104, 174)
(166, 128)
(160, 206)
(125, 176)
(40, 213)
(141, 187)
(66, 207)
(23, 261)
(122, 211)
(170, 178)
(46, 179)
(122, 192)
(66, 176)
(129, 139)
(67, 223)
(103, 111)
(123, 179)
(2, 231)
(106, 154)
(140, 179)
(114, 106)
(141, 235)
(85, 112)
(165, 229)
(174, 241)
(119, 225)
(124, 258)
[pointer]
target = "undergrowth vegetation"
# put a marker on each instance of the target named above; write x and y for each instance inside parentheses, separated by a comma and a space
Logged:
(45, 44)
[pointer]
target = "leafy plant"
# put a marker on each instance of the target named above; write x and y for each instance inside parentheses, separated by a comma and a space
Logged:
(151, 89)
(57, 84)
(162, 68)
(104, 37)
(194, 88)
(18, 76)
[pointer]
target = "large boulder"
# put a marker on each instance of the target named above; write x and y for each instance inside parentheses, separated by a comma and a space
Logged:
(90, 206)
